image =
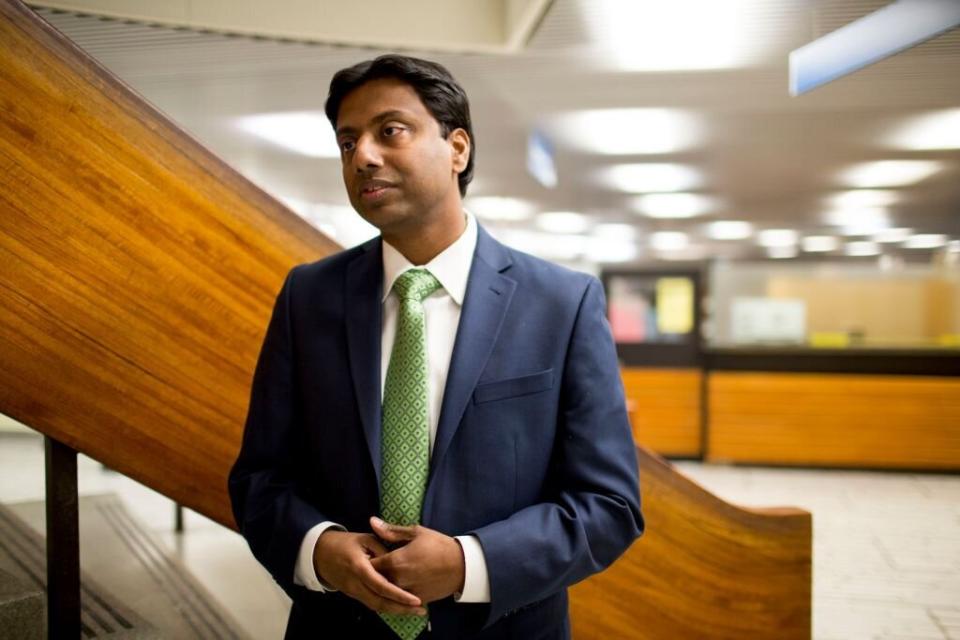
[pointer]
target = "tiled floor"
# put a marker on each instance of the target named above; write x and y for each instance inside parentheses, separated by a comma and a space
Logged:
(886, 545)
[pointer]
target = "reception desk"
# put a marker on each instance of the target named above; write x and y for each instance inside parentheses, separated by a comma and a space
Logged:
(847, 408)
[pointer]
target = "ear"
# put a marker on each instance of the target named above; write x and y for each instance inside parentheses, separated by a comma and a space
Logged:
(459, 149)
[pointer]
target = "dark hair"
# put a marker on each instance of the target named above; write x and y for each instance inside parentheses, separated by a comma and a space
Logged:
(443, 97)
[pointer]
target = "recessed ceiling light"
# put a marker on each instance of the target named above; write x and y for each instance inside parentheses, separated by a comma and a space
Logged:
(306, 132)
(898, 234)
(668, 240)
(866, 218)
(605, 250)
(628, 131)
(562, 222)
(889, 173)
(816, 244)
(499, 208)
(861, 248)
(863, 198)
(680, 35)
(615, 230)
(546, 245)
(939, 130)
(777, 238)
(729, 230)
(782, 252)
(650, 177)
(925, 241)
(672, 205)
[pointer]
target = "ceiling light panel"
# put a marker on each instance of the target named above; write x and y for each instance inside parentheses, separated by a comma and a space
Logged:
(562, 222)
(650, 177)
(499, 208)
(862, 248)
(679, 35)
(777, 238)
(889, 173)
(672, 205)
(729, 230)
(820, 244)
(930, 132)
(863, 198)
(627, 131)
(898, 234)
(305, 132)
(925, 241)
(782, 253)
(669, 240)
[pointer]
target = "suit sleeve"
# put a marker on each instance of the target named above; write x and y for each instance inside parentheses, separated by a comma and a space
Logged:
(268, 510)
(593, 514)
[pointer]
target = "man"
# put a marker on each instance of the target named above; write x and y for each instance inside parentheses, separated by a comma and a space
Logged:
(465, 393)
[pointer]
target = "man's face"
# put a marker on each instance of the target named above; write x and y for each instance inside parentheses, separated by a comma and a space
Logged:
(399, 171)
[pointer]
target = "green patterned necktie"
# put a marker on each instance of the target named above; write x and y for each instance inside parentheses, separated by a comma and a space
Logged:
(405, 445)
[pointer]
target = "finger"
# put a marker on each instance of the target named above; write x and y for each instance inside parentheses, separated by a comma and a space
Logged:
(385, 605)
(378, 584)
(392, 532)
(372, 546)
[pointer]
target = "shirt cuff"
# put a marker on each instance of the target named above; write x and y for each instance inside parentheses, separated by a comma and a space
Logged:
(303, 573)
(476, 582)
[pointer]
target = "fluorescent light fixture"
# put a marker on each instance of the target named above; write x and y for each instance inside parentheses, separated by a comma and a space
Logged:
(930, 132)
(615, 230)
(782, 253)
(669, 240)
(679, 35)
(628, 131)
(729, 230)
(889, 173)
(897, 234)
(953, 246)
(546, 245)
(863, 198)
(305, 132)
(873, 37)
(562, 222)
(777, 238)
(874, 218)
(605, 250)
(820, 244)
(498, 208)
(862, 248)
(650, 177)
(925, 241)
(672, 205)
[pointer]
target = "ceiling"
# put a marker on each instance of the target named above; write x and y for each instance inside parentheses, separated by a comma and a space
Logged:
(763, 156)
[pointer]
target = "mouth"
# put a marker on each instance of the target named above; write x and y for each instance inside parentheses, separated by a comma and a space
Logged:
(374, 189)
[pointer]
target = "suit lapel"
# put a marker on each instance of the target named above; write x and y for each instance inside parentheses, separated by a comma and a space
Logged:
(484, 306)
(363, 312)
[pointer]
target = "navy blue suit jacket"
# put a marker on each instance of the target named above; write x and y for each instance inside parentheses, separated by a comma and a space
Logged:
(533, 453)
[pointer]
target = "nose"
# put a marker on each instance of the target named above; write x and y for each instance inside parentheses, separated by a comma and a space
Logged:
(366, 154)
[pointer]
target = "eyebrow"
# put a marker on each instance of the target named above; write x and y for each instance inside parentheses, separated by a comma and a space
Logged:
(377, 119)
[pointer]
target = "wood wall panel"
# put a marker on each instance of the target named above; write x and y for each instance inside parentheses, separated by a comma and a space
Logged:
(835, 420)
(665, 409)
(704, 569)
(138, 272)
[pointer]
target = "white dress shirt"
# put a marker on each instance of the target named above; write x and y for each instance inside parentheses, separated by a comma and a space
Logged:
(442, 316)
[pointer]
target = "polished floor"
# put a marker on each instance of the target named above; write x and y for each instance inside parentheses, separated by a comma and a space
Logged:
(886, 545)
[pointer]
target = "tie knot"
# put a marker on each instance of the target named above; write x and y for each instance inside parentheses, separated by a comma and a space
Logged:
(415, 284)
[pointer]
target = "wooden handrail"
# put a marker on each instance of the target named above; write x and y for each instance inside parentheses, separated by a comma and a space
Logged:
(139, 272)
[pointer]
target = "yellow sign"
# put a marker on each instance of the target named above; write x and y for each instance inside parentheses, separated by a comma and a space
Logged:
(674, 305)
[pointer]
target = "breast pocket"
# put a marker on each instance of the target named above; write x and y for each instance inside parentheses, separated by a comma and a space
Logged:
(513, 387)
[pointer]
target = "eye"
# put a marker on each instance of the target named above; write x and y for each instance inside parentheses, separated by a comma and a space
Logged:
(392, 130)
(346, 145)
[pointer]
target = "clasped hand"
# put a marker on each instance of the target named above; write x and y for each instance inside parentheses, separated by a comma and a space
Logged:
(426, 566)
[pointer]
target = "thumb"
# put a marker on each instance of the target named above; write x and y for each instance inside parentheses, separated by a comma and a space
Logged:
(392, 532)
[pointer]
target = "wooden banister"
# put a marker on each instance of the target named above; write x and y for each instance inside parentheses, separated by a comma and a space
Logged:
(138, 274)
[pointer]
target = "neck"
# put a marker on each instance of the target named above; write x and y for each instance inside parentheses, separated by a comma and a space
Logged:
(427, 241)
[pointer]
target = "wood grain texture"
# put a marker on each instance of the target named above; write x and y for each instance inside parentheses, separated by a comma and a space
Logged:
(835, 420)
(139, 272)
(664, 406)
(703, 569)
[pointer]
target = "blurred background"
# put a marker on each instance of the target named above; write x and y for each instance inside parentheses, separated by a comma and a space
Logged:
(782, 271)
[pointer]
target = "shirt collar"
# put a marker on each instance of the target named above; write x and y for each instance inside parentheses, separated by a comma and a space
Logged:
(451, 267)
